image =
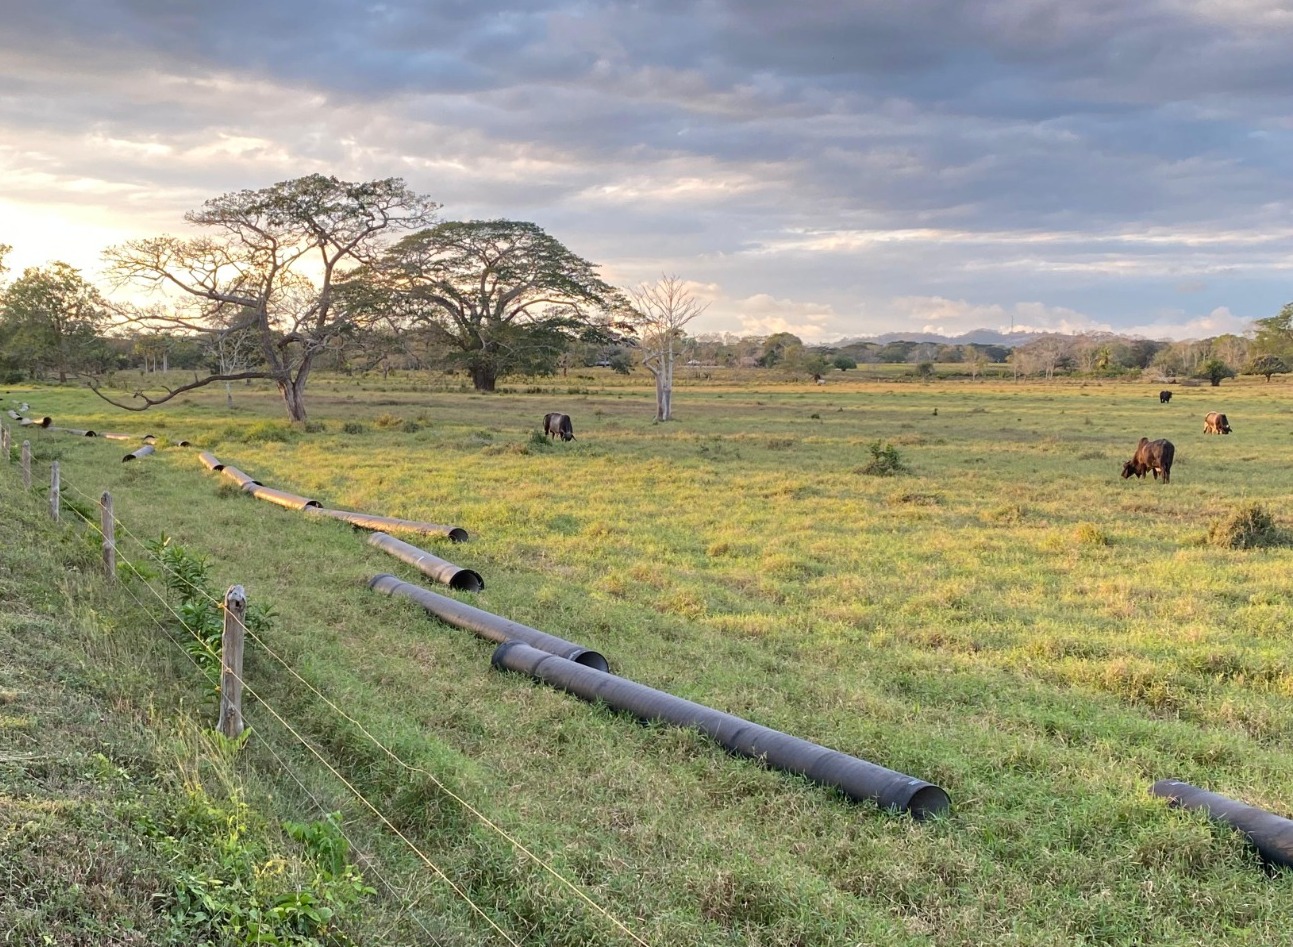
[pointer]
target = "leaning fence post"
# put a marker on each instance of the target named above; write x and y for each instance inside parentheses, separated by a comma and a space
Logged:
(5, 444)
(53, 491)
(26, 464)
(235, 607)
(107, 526)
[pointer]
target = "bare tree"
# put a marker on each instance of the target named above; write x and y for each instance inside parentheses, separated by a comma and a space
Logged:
(268, 269)
(661, 310)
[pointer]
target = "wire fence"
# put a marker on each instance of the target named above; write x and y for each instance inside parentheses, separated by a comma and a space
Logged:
(519, 847)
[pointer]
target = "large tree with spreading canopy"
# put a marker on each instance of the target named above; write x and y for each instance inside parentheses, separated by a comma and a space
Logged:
(267, 266)
(502, 295)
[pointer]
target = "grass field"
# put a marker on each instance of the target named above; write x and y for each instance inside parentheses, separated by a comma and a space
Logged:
(1006, 617)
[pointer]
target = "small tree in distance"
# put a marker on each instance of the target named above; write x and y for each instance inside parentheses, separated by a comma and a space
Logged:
(1267, 365)
(661, 310)
(1214, 370)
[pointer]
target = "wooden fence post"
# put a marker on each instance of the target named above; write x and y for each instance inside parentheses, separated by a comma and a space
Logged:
(108, 526)
(5, 444)
(26, 464)
(235, 607)
(53, 491)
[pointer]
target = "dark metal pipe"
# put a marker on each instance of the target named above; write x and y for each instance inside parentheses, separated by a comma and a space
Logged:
(210, 461)
(1270, 834)
(856, 778)
(281, 497)
(487, 625)
(433, 566)
(138, 453)
(238, 477)
(35, 422)
(384, 523)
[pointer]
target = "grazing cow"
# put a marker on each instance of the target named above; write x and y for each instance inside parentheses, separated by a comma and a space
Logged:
(1151, 457)
(1164, 397)
(558, 425)
(1216, 423)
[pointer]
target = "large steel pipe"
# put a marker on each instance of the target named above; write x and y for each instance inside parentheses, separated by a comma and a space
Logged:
(140, 452)
(238, 477)
(384, 523)
(281, 497)
(120, 437)
(856, 778)
(433, 566)
(1270, 834)
(35, 422)
(210, 461)
(76, 431)
(489, 626)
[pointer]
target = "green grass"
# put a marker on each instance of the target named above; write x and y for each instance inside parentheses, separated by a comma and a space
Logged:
(1007, 618)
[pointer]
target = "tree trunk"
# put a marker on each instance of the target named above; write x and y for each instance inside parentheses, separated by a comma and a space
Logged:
(293, 391)
(483, 377)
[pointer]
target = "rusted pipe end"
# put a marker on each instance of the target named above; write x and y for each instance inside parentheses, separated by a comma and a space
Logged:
(458, 535)
(465, 580)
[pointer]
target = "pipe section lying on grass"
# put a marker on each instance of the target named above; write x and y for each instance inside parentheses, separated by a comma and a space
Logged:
(210, 461)
(35, 422)
(120, 437)
(433, 566)
(72, 430)
(140, 452)
(1270, 834)
(238, 477)
(384, 523)
(281, 497)
(489, 626)
(856, 778)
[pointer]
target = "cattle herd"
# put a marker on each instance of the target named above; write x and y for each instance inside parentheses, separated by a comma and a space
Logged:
(1155, 457)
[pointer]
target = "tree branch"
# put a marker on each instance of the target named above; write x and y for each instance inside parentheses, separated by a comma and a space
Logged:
(173, 392)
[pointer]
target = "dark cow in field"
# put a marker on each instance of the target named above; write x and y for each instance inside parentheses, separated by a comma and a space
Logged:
(1216, 423)
(1151, 457)
(558, 425)
(1164, 397)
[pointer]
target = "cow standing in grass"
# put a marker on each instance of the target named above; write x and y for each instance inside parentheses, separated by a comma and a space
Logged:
(1164, 397)
(558, 425)
(1216, 423)
(1151, 457)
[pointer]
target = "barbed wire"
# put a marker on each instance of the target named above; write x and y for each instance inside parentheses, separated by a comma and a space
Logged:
(439, 784)
(286, 725)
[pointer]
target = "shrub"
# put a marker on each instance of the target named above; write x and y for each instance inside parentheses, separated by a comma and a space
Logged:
(354, 427)
(387, 420)
(1088, 534)
(885, 461)
(264, 432)
(1248, 527)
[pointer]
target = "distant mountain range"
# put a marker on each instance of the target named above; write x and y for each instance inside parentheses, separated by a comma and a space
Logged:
(979, 336)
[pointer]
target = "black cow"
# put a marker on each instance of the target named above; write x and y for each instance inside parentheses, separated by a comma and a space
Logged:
(1164, 397)
(558, 425)
(1151, 457)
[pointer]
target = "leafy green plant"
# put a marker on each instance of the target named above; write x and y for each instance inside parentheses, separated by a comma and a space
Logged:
(885, 461)
(1249, 526)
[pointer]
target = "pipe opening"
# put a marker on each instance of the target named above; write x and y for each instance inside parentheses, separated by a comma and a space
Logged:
(314, 503)
(90, 434)
(467, 581)
(591, 659)
(929, 801)
(46, 422)
(458, 535)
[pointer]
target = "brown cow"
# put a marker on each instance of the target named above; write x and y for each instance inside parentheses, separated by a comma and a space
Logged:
(1151, 457)
(1216, 423)
(558, 425)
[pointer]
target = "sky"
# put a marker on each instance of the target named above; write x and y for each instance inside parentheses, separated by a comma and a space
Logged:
(828, 169)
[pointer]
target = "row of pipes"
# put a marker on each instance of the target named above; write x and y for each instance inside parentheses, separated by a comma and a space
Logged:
(586, 674)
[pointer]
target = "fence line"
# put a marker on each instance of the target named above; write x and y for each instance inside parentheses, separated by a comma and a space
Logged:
(306, 743)
(484, 819)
